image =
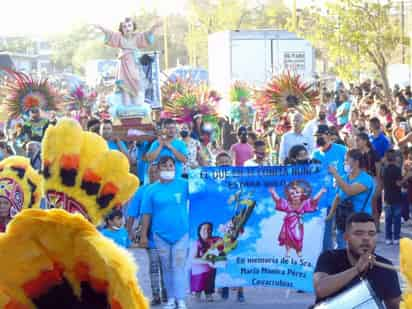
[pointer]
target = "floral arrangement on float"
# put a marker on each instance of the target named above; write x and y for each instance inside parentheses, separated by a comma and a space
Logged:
(79, 99)
(182, 100)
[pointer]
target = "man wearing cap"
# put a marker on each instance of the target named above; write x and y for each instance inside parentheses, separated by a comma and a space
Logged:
(293, 137)
(328, 153)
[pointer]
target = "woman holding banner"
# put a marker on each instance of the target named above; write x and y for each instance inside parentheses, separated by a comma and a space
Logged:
(164, 208)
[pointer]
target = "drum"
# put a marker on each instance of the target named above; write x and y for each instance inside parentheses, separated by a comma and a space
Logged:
(360, 296)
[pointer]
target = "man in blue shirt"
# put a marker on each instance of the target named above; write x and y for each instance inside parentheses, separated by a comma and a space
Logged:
(379, 141)
(133, 212)
(114, 143)
(168, 145)
(327, 154)
(342, 113)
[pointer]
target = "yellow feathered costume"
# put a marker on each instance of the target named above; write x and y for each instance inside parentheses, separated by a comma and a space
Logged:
(56, 258)
(19, 184)
(81, 174)
(406, 269)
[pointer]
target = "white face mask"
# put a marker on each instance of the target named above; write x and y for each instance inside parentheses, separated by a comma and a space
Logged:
(167, 175)
(347, 168)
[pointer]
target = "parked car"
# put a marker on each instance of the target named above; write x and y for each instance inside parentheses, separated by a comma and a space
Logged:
(196, 75)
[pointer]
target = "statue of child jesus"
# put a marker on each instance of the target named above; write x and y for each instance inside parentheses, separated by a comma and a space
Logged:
(130, 75)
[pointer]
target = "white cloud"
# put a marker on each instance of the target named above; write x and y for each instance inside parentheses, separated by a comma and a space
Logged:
(265, 206)
(196, 184)
(269, 230)
(247, 233)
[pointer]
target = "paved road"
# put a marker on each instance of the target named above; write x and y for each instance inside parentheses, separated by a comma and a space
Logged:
(263, 298)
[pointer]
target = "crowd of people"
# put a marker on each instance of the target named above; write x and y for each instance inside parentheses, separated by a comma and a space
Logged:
(358, 134)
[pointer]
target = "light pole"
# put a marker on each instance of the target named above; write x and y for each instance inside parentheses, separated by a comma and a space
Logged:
(403, 30)
(294, 16)
(165, 40)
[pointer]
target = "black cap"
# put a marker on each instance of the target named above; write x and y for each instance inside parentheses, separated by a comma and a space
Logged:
(242, 130)
(322, 129)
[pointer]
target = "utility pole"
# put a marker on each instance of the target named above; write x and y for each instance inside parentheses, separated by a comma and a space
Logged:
(403, 30)
(166, 39)
(294, 17)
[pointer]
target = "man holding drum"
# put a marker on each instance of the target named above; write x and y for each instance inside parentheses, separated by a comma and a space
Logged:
(338, 270)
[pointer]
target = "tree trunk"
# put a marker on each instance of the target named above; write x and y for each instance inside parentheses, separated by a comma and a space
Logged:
(386, 88)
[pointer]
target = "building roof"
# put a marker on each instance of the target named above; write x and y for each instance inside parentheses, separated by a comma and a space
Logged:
(6, 61)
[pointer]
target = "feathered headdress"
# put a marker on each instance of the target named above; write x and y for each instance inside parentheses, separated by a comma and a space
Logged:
(81, 174)
(182, 100)
(57, 258)
(239, 90)
(23, 93)
(78, 98)
(54, 259)
(19, 184)
(287, 91)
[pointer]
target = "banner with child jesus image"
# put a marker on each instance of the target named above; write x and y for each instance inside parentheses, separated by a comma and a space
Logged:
(256, 226)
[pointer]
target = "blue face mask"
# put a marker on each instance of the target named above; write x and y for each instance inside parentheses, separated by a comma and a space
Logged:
(1, 155)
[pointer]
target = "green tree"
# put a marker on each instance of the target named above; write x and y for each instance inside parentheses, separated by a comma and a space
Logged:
(91, 50)
(177, 25)
(65, 45)
(17, 45)
(207, 16)
(358, 34)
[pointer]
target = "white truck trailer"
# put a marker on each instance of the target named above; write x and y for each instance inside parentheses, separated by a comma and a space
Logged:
(254, 56)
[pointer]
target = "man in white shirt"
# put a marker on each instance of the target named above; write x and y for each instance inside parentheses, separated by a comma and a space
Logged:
(294, 137)
(260, 158)
(312, 126)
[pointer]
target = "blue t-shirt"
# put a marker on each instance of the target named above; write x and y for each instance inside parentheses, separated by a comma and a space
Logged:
(335, 156)
(342, 120)
(167, 203)
(359, 200)
(142, 149)
(120, 237)
(179, 145)
(381, 144)
(133, 210)
(135, 206)
(113, 145)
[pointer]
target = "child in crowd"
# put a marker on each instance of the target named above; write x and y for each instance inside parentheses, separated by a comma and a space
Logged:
(116, 231)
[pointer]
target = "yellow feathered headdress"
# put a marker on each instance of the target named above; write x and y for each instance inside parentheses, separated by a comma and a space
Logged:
(19, 184)
(57, 258)
(81, 174)
(54, 259)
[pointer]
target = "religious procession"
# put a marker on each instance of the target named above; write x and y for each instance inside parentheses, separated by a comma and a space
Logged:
(270, 168)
